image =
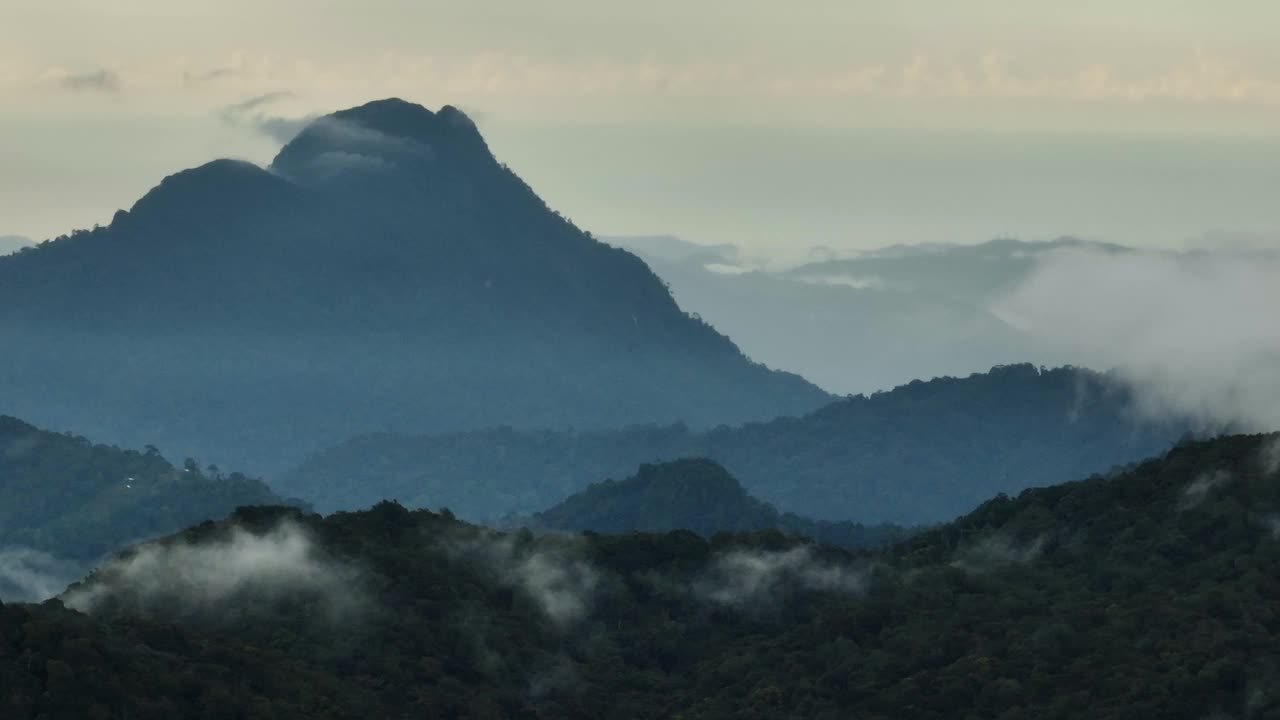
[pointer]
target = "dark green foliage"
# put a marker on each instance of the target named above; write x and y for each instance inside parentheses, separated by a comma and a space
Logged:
(56, 664)
(78, 501)
(697, 495)
(387, 273)
(922, 453)
(1151, 594)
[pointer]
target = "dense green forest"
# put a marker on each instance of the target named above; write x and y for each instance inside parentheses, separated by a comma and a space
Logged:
(924, 452)
(68, 502)
(1147, 594)
(386, 273)
(697, 495)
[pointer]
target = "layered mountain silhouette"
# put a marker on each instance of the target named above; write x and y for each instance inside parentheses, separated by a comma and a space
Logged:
(872, 321)
(1145, 595)
(384, 273)
(694, 494)
(922, 453)
(68, 503)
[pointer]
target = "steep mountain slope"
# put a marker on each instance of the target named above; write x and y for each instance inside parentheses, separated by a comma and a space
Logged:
(922, 453)
(1143, 595)
(67, 503)
(697, 495)
(385, 273)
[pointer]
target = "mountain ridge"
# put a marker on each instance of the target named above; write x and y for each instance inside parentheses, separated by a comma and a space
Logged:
(386, 272)
(922, 453)
(69, 502)
(1144, 594)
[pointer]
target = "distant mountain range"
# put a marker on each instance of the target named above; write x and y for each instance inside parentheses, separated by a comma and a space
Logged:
(922, 453)
(697, 495)
(385, 273)
(1145, 595)
(868, 322)
(68, 503)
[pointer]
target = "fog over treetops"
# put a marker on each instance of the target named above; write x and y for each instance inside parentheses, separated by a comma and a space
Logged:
(1027, 607)
(1190, 328)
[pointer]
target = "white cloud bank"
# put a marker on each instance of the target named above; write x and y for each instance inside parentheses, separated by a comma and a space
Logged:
(1197, 333)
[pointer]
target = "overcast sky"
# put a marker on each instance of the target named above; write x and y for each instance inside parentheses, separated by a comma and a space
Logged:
(774, 125)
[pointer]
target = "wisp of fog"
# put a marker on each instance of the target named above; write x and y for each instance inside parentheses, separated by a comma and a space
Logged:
(28, 575)
(198, 577)
(758, 579)
(549, 572)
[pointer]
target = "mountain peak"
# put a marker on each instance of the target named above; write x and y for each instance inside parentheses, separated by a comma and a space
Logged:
(209, 190)
(695, 494)
(380, 136)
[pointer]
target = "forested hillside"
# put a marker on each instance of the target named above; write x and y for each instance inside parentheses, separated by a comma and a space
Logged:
(697, 495)
(1143, 595)
(385, 273)
(922, 453)
(67, 502)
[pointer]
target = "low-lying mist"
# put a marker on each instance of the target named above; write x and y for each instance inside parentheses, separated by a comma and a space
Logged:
(759, 579)
(1196, 333)
(190, 578)
(553, 573)
(28, 575)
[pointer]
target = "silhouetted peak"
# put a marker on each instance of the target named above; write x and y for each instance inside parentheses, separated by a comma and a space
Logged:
(380, 136)
(215, 172)
(701, 473)
(212, 187)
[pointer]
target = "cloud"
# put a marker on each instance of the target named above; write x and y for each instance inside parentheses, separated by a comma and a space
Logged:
(758, 579)
(256, 102)
(28, 575)
(1199, 488)
(1271, 456)
(1194, 333)
(1272, 524)
(106, 81)
(197, 79)
(197, 577)
(13, 243)
(249, 113)
(282, 129)
(994, 552)
(857, 282)
(551, 571)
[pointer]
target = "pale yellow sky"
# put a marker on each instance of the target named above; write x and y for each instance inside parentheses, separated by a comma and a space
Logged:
(98, 100)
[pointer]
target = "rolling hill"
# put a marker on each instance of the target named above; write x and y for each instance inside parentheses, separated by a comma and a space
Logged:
(922, 453)
(1145, 594)
(697, 495)
(69, 503)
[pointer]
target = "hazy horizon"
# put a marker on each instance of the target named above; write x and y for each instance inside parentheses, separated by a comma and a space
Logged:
(848, 125)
